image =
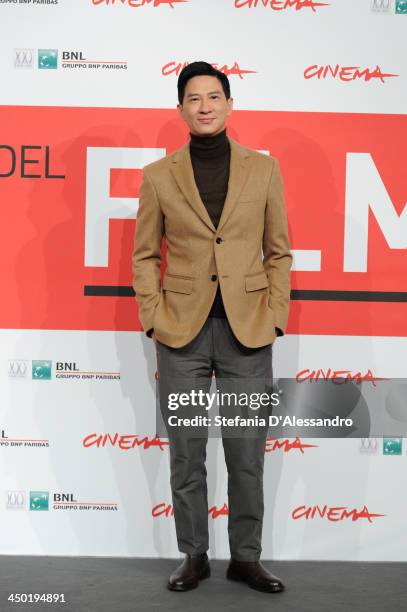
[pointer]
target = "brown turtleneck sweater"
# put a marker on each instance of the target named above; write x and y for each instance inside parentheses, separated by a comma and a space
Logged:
(210, 157)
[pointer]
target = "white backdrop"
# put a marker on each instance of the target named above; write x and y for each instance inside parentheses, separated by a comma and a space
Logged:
(115, 498)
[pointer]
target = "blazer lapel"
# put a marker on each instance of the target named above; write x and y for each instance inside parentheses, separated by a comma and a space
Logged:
(184, 175)
(238, 174)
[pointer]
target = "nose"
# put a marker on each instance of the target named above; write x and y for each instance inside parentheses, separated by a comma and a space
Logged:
(205, 106)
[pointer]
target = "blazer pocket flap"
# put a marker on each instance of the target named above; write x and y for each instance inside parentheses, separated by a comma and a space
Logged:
(252, 200)
(177, 284)
(257, 281)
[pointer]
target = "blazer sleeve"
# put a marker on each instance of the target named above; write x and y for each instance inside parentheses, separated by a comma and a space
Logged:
(146, 259)
(277, 257)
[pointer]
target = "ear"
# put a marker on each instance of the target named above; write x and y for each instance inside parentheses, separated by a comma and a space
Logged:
(230, 105)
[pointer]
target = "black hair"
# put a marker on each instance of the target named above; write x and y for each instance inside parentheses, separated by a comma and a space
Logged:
(200, 69)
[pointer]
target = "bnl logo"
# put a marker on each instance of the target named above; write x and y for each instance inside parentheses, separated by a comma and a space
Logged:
(41, 370)
(48, 59)
(39, 500)
(401, 7)
(392, 446)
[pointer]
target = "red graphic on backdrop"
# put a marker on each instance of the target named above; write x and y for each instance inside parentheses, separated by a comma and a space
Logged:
(346, 73)
(45, 221)
(124, 442)
(274, 444)
(176, 67)
(138, 3)
(338, 377)
(338, 513)
(164, 509)
(216, 512)
(281, 5)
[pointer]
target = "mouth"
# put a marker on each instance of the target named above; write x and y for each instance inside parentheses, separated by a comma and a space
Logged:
(206, 120)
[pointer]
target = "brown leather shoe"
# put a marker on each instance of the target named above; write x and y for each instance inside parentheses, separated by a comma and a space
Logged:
(189, 573)
(256, 576)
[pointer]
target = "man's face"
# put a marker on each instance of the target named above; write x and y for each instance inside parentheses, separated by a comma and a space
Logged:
(205, 108)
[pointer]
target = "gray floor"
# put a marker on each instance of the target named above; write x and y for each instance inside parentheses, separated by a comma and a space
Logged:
(124, 585)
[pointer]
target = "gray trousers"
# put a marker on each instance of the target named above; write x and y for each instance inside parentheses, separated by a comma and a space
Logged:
(216, 349)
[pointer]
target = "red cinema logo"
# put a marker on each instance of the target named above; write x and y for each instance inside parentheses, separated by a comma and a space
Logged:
(167, 510)
(274, 444)
(162, 509)
(338, 377)
(346, 73)
(281, 5)
(176, 67)
(137, 3)
(333, 513)
(124, 442)
(215, 512)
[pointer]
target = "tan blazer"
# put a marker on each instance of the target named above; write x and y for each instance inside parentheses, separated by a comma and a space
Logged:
(248, 254)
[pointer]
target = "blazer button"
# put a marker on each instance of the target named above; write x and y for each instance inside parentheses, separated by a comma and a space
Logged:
(214, 277)
(218, 240)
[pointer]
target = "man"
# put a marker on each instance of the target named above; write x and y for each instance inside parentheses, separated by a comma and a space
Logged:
(223, 300)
